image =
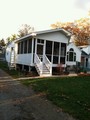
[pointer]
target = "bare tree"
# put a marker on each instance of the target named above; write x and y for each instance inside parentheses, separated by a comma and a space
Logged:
(25, 30)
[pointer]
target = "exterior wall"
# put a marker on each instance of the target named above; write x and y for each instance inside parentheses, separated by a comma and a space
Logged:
(78, 54)
(54, 36)
(89, 62)
(24, 59)
(87, 49)
(8, 51)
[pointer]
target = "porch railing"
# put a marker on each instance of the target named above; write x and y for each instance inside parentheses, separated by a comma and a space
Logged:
(48, 64)
(38, 64)
(43, 67)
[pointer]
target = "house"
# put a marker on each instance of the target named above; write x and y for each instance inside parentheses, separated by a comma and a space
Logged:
(10, 54)
(42, 50)
(78, 56)
(0, 49)
(86, 52)
(2, 53)
(73, 54)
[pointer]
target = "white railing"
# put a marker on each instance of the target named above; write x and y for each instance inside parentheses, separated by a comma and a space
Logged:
(38, 64)
(48, 64)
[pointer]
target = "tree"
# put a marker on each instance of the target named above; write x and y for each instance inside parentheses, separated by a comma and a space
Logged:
(11, 38)
(25, 30)
(2, 42)
(79, 28)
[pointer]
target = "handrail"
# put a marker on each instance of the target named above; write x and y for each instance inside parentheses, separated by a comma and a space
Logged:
(38, 63)
(43, 66)
(48, 64)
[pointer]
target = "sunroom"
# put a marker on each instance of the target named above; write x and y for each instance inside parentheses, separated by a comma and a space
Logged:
(43, 50)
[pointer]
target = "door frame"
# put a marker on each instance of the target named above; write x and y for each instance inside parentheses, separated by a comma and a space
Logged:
(43, 44)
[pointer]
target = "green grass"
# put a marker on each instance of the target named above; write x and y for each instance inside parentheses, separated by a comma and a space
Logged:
(13, 73)
(72, 94)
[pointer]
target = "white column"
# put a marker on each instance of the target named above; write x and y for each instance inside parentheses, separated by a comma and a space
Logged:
(59, 52)
(20, 48)
(32, 51)
(23, 46)
(44, 47)
(27, 45)
(36, 46)
(52, 52)
(66, 56)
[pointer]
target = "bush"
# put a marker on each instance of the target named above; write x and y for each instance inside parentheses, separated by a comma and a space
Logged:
(60, 69)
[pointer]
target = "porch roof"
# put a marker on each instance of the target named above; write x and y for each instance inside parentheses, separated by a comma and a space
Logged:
(34, 34)
(84, 54)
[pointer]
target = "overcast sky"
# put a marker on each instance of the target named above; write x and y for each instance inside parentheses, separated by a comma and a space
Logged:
(38, 13)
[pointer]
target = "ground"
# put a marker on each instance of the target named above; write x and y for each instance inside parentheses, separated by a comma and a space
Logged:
(18, 102)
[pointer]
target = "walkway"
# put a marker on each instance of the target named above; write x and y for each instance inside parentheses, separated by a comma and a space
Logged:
(18, 102)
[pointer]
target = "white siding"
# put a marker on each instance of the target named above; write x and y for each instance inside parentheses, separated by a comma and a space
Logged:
(78, 54)
(87, 49)
(8, 51)
(54, 36)
(8, 54)
(24, 59)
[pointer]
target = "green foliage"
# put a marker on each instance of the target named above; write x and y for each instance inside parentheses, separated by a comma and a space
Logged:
(72, 94)
(13, 73)
(2, 42)
(11, 38)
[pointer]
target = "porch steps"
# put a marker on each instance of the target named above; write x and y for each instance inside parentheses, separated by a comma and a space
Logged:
(12, 61)
(45, 71)
(43, 68)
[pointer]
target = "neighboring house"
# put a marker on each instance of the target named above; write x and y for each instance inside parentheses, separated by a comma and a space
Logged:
(73, 54)
(0, 49)
(2, 53)
(42, 50)
(10, 54)
(84, 59)
(78, 56)
(86, 52)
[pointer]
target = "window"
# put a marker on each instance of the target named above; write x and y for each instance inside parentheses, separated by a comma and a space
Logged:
(12, 48)
(49, 47)
(55, 59)
(40, 41)
(71, 55)
(29, 45)
(22, 47)
(62, 60)
(18, 48)
(56, 48)
(56, 53)
(25, 46)
(63, 49)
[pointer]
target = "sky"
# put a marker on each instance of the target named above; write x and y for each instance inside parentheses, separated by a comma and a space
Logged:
(39, 14)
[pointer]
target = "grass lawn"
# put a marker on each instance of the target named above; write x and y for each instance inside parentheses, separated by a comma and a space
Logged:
(72, 94)
(13, 73)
